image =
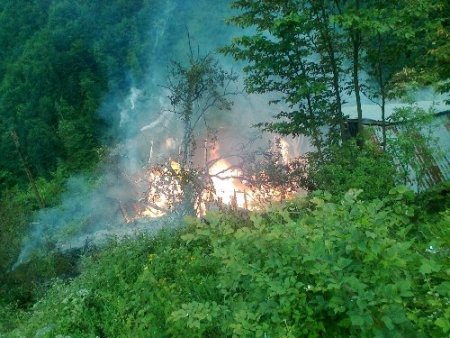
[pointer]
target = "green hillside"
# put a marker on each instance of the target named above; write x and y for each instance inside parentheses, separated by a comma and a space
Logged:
(109, 107)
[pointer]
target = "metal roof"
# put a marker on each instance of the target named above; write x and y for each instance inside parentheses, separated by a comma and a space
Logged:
(434, 160)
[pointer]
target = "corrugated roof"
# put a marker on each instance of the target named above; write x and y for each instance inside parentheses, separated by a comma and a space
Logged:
(435, 160)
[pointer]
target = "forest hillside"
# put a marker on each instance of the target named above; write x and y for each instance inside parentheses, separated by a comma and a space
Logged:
(235, 168)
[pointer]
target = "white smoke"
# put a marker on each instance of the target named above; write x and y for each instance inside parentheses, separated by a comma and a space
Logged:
(92, 208)
(163, 120)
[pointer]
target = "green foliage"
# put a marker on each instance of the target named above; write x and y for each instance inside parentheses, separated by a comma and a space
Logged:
(340, 168)
(9, 317)
(57, 61)
(26, 284)
(293, 52)
(16, 208)
(359, 263)
(313, 54)
(436, 199)
(409, 158)
(13, 224)
(59, 58)
(410, 142)
(311, 268)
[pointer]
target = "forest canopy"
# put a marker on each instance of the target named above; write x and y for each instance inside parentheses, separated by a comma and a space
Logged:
(58, 60)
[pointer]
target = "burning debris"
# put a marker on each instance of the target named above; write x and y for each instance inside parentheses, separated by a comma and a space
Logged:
(248, 182)
(182, 178)
(172, 165)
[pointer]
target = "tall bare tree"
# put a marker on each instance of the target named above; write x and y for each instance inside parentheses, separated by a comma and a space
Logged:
(197, 90)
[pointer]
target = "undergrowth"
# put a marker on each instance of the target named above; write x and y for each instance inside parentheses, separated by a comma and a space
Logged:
(312, 268)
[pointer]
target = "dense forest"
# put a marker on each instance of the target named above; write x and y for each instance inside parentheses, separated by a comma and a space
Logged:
(351, 238)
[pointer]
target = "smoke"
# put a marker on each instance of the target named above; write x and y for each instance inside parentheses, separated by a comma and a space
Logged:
(162, 120)
(93, 209)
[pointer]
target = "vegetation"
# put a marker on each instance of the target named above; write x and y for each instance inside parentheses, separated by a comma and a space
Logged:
(195, 92)
(360, 255)
(54, 75)
(58, 61)
(315, 54)
(311, 268)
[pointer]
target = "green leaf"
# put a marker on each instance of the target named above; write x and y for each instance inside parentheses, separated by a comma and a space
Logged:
(388, 322)
(371, 234)
(429, 266)
(188, 237)
(357, 320)
(443, 323)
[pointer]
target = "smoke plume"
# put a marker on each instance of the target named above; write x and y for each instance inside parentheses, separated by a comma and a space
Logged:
(94, 209)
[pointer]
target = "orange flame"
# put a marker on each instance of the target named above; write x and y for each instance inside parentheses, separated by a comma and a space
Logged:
(229, 188)
(228, 185)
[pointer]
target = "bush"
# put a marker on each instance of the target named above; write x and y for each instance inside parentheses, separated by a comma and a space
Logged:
(340, 168)
(9, 317)
(312, 268)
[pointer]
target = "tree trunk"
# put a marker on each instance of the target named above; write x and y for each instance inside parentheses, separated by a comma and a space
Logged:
(356, 44)
(316, 135)
(187, 185)
(186, 146)
(356, 85)
(382, 91)
(27, 170)
(330, 50)
(383, 121)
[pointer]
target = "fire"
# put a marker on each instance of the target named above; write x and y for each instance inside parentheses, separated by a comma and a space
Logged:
(220, 182)
(163, 193)
(284, 150)
(228, 185)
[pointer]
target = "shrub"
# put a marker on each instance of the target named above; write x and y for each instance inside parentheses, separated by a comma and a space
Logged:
(311, 268)
(340, 168)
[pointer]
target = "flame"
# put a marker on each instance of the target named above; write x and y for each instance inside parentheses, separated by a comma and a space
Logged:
(284, 150)
(163, 193)
(228, 185)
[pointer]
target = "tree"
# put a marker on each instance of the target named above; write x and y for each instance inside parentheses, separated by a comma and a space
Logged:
(317, 53)
(384, 37)
(293, 52)
(57, 62)
(384, 56)
(195, 90)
